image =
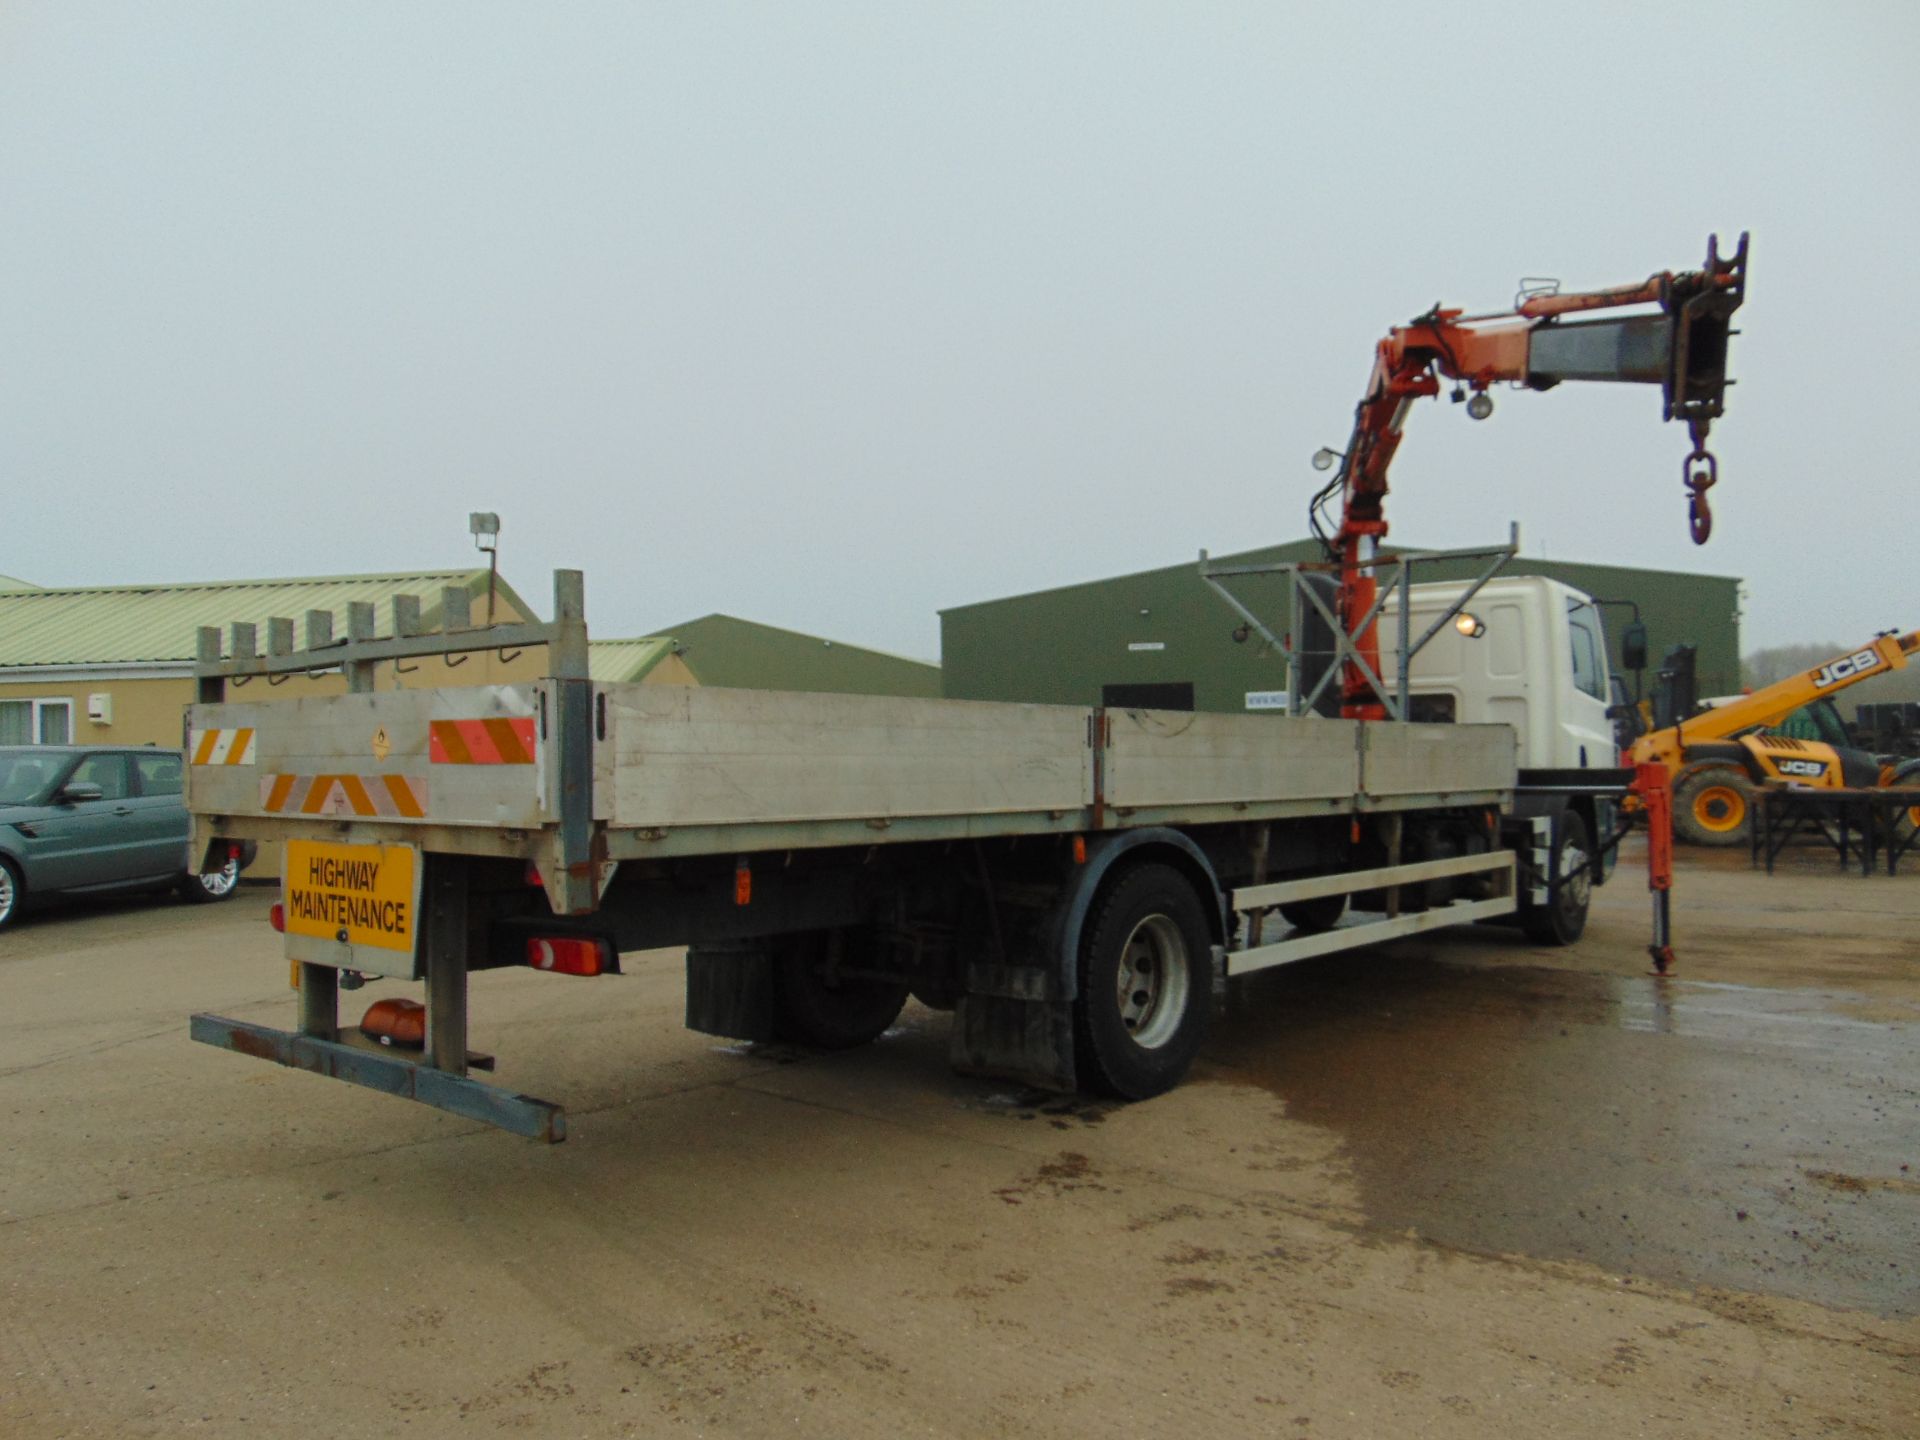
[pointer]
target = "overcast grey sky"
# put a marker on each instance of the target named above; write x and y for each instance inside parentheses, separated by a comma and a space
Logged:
(829, 315)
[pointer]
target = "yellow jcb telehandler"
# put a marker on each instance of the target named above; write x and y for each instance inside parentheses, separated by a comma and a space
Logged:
(1718, 756)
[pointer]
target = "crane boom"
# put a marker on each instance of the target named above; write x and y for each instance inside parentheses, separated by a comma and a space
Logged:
(1680, 345)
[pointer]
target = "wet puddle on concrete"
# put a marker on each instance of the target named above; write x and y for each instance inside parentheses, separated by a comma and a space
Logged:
(1694, 1133)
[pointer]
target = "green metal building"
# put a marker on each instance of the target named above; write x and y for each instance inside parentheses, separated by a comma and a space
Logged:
(1143, 638)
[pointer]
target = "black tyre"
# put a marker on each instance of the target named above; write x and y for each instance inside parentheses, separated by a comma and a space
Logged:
(1907, 820)
(816, 1004)
(1562, 919)
(1316, 915)
(1145, 984)
(12, 893)
(1713, 806)
(213, 885)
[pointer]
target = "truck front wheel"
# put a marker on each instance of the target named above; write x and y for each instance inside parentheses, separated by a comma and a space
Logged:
(1316, 915)
(1562, 919)
(821, 1000)
(1145, 985)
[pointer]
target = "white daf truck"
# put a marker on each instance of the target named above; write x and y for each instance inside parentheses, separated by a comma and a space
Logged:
(1071, 882)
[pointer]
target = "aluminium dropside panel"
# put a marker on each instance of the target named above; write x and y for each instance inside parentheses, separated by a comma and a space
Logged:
(1441, 764)
(1172, 761)
(675, 757)
(304, 751)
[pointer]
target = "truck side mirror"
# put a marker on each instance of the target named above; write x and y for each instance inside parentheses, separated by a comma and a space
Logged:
(1626, 723)
(1633, 646)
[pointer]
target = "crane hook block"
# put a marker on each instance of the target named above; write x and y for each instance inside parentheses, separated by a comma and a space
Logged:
(1700, 470)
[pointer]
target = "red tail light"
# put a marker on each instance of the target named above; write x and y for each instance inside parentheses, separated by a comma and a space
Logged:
(277, 917)
(533, 875)
(570, 955)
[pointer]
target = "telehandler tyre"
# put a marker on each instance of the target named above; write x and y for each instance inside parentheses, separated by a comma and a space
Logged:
(1907, 820)
(1713, 806)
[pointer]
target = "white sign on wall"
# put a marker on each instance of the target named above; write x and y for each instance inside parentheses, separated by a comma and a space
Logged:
(1147, 645)
(1267, 699)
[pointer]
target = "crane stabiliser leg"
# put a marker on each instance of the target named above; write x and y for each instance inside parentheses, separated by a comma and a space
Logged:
(1656, 800)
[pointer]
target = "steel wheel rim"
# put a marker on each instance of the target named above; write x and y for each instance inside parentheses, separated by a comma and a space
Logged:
(7, 893)
(1719, 808)
(219, 883)
(1151, 984)
(1576, 881)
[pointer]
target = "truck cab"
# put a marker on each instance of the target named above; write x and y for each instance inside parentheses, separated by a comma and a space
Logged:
(1527, 652)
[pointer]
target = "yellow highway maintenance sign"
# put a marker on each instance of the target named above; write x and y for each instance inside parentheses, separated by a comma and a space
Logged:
(352, 894)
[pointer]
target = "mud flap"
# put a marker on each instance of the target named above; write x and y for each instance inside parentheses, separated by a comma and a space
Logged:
(1015, 1022)
(730, 991)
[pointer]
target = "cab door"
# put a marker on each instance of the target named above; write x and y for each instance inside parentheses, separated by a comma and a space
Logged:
(1590, 738)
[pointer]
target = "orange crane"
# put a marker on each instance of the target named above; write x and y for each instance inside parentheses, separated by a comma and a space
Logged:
(1675, 336)
(1679, 343)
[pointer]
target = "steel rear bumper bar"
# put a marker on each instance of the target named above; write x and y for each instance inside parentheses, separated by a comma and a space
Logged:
(393, 1074)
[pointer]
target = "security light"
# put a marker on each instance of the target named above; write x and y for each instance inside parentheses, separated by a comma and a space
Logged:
(1324, 457)
(1470, 625)
(484, 526)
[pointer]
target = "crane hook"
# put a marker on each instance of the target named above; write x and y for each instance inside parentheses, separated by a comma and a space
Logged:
(1700, 470)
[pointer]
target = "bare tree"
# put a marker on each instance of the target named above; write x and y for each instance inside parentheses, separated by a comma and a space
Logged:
(1776, 662)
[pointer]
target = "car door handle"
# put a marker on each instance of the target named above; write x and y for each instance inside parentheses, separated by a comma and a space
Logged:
(123, 810)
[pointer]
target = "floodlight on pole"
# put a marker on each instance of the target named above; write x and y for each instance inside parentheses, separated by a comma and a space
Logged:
(484, 526)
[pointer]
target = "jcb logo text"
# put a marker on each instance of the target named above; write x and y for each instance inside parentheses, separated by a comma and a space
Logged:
(1834, 671)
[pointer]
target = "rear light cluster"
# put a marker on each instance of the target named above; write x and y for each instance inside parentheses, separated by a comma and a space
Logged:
(571, 955)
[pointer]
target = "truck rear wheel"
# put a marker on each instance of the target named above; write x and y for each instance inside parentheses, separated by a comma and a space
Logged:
(1712, 806)
(1564, 917)
(1145, 985)
(817, 1003)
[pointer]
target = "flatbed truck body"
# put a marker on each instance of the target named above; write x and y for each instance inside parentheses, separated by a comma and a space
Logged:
(1071, 881)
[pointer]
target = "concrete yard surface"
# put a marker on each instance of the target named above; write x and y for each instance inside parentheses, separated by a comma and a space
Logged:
(1462, 1186)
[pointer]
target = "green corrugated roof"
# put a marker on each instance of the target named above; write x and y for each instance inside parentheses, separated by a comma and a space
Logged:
(626, 662)
(726, 651)
(9, 582)
(156, 624)
(1296, 551)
